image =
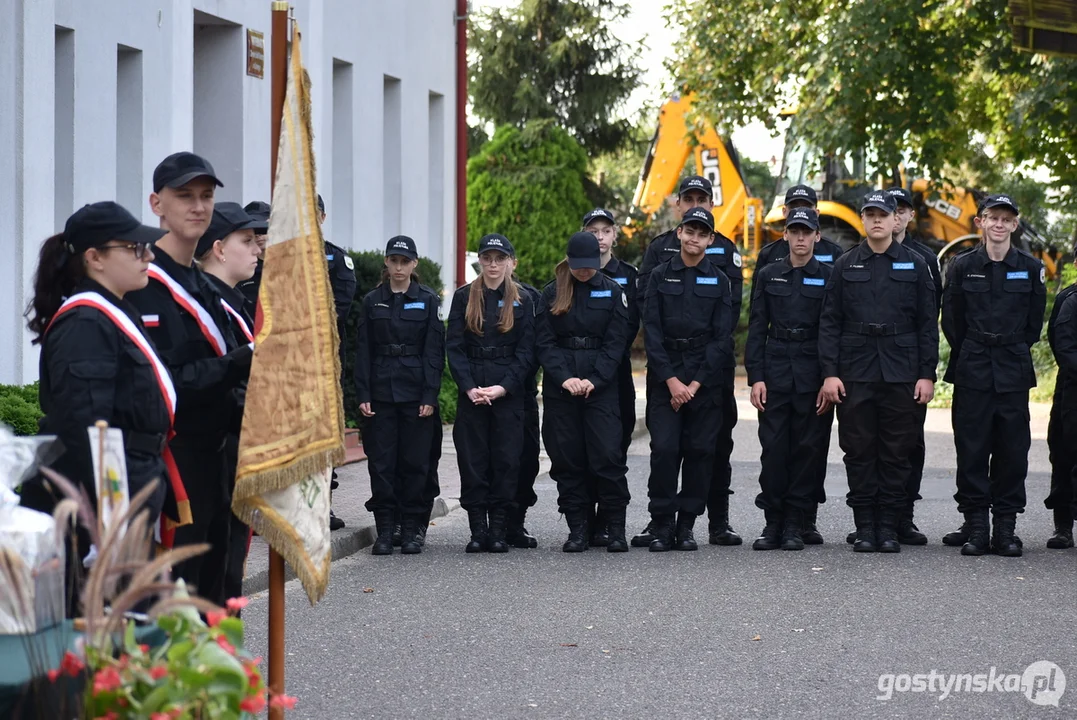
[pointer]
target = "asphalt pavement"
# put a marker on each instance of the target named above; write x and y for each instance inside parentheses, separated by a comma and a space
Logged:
(723, 632)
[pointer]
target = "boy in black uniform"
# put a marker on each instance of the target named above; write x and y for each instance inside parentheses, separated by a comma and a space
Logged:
(687, 319)
(184, 317)
(878, 347)
(992, 314)
(1062, 430)
(782, 361)
(826, 251)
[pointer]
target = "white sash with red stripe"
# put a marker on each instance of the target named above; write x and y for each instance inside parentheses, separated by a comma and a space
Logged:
(239, 319)
(183, 298)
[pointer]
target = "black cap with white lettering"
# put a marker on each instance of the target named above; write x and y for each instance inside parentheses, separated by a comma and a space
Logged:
(803, 216)
(699, 215)
(598, 214)
(696, 182)
(900, 195)
(994, 201)
(402, 245)
(879, 199)
(495, 241)
(801, 192)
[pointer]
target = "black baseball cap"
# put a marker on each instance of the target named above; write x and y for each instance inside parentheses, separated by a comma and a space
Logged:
(583, 252)
(596, 214)
(801, 192)
(180, 168)
(227, 218)
(95, 224)
(879, 199)
(495, 241)
(803, 216)
(900, 195)
(258, 209)
(402, 245)
(994, 201)
(699, 215)
(696, 182)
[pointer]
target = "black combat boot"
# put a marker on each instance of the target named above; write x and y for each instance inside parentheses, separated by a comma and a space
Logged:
(615, 519)
(792, 535)
(977, 533)
(398, 533)
(886, 532)
(1003, 540)
(864, 518)
(720, 532)
(662, 527)
(516, 534)
(496, 542)
(383, 544)
(410, 544)
(1063, 537)
(958, 537)
(809, 533)
(685, 538)
(645, 538)
(424, 525)
(577, 531)
(600, 534)
(480, 531)
(907, 532)
(771, 538)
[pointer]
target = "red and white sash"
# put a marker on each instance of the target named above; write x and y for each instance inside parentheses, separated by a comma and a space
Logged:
(183, 298)
(238, 317)
(164, 384)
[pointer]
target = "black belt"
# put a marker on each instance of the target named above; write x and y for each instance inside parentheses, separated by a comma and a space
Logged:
(144, 443)
(995, 339)
(682, 344)
(579, 343)
(488, 352)
(879, 328)
(397, 350)
(805, 333)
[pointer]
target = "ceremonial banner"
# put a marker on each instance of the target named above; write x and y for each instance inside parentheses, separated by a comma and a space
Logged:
(293, 422)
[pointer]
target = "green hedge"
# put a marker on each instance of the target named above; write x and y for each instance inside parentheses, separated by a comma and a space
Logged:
(19, 408)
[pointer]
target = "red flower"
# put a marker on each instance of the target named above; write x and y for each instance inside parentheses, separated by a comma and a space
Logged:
(214, 617)
(236, 603)
(160, 716)
(71, 664)
(53, 674)
(283, 701)
(106, 680)
(228, 647)
(252, 674)
(144, 648)
(158, 671)
(253, 704)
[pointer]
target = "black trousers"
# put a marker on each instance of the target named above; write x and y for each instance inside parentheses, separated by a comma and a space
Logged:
(916, 460)
(208, 482)
(721, 479)
(681, 441)
(1062, 446)
(488, 439)
(877, 426)
(626, 401)
(583, 439)
(529, 455)
(238, 532)
(821, 461)
(432, 488)
(790, 435)
(992, 437)
(397, 443)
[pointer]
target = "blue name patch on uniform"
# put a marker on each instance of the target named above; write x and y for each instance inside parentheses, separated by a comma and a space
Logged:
(415, 306)
(706, 281)
(1017, 275)
(715, 251)
(601, 293)
(814, 281)
(621, 281)
(904, 266)
(825, 258)
(328, 257)
(515, 303)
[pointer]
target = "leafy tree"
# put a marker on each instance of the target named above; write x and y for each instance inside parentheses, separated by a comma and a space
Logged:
(528, 185)
(759, 179)
(555, 60)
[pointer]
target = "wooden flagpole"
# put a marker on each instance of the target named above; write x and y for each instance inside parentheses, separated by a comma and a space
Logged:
(278, 69)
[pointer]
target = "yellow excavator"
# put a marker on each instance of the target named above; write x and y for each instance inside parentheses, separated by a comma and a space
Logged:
(944, 215)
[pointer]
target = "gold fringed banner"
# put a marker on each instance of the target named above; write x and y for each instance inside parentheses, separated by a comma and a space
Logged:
(293, 422)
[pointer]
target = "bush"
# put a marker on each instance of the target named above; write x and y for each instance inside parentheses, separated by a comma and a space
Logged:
(528, 185)
(19, 408)
(447, 396)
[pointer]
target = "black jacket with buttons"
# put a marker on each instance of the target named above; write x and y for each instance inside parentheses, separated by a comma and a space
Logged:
(626, 275)
(992, 314)
(688, 304)
(509, 371)
(598, 316)
(1062, 335)
(879, 322)
(401, 346)
(932, 260)
(783, 332)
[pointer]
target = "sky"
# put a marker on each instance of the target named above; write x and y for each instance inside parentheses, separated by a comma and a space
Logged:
(646, 23)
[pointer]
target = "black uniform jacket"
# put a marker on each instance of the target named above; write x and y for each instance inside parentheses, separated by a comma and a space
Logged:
(626, 276)
(826, 252)
(493, 358)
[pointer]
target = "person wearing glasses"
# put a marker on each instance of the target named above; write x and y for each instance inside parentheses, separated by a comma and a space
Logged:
(97, 361)
(490, 344)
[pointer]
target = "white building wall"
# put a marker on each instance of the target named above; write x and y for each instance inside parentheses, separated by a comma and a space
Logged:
(209, 104)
